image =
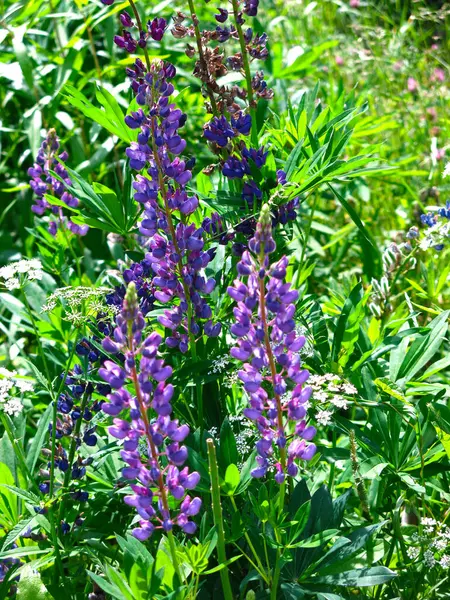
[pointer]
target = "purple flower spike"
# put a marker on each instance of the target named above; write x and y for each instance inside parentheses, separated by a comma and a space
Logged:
(176, 257)
(160, 434)
(50, 159)
(268, 343)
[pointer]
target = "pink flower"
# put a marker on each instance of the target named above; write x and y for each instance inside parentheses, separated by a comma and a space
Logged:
(339, 60)
(354, 3)
(413, 86)
(438, 75)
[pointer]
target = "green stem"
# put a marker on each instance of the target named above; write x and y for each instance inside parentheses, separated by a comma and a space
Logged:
(260, 569)
(38, 337)
(218, 518)
(248, 75)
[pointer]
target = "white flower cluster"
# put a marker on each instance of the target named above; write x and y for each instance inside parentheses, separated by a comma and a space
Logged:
(434, 542)
(17, 274)
(12, 385)
(220, 364)
(330, 392)
(74, 297)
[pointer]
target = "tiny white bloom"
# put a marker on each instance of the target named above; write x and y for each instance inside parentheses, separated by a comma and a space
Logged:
(35, 274)
(445, 561)
(413, 552)
(349, 389)
(13, 407)
(24, 385)
(321, 396)
(7, 272)
(6, 373)
(12, 284)
(22, 266)
(323, 417)
(429, 559)
(446, 171)
(339, 401)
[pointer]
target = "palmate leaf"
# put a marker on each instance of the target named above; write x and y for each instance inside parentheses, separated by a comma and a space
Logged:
(111, 118)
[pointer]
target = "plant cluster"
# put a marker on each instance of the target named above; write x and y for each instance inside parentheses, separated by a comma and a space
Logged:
(224, 319)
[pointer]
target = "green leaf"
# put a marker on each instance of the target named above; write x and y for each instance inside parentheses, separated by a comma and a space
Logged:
(39, 439)
(111, 118)
(358, 577)
(232, 478)
(316, 540)
(30, 586)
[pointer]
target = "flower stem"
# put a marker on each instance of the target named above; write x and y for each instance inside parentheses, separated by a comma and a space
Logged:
(218, 519)
(139, 24)
(153, 452)
(262, 305)
(248, 75)
(202, 60)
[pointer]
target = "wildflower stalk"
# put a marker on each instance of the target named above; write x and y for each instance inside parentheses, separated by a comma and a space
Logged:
(273, 371)
(168, 215)
(204, 64)
(139, 24)
(248, 75)
(218, 519)
(152, 451)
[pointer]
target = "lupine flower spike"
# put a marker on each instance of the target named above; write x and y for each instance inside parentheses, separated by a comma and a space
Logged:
(151, 438)
(269, 346)
(43, 182)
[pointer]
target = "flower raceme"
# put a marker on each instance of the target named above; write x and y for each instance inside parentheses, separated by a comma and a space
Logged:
(42, 182)
(151, 446)
(175, 246)
(269, 346)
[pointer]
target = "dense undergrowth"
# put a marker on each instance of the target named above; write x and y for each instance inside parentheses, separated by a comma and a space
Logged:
(224, 300)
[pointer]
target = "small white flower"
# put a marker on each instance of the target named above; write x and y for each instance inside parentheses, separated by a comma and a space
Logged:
(6, 373)
(323, 417)
(23, 385)
(12, 284)
(35, 264)
(35, 274)
(5, 386)
(445, 561)
(413, 552)
(7, 272)
(321, 396)
(349, 389)
(429, 559)
(13, 407)
(339, 401)
(22, 266)
(440, 544)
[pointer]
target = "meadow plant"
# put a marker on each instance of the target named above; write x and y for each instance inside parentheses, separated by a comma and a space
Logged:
(224, 332)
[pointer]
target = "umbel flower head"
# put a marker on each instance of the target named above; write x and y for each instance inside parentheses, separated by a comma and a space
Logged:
(268, 345)
(152, 440)
(42, 182)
